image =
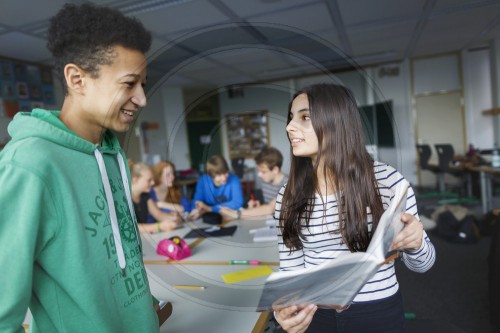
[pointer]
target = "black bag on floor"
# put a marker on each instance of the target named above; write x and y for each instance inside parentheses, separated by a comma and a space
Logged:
(488, 222)
(453, 230)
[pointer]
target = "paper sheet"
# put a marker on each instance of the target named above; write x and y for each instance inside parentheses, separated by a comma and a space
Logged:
(336, 282)
(246, 274)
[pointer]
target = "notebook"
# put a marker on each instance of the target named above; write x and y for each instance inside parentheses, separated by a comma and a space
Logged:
(267, 234)
(211, 232)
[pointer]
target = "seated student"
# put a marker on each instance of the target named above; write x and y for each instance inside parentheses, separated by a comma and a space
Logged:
(218, 188)
(269, 162)
(142, 181)
(166, 196)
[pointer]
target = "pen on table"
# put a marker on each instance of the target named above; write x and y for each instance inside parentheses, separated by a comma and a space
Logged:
(244, 262)
(181, 286)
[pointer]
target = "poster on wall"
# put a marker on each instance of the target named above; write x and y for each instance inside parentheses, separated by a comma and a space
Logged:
(48, 94)
(2, 109)
(22, 90)
(20, 72)
(6, 71)
(8, 91)
(11, 106)
(24, 106)
(24, 87)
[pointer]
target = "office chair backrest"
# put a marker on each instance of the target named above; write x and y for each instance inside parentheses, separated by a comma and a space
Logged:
(424, 155)
(445, 155)
(238, 165)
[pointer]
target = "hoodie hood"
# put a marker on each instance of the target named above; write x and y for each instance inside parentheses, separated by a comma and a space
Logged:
(47, 125)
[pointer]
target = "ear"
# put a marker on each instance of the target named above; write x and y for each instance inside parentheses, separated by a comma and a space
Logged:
(74, 77)
(275, 169)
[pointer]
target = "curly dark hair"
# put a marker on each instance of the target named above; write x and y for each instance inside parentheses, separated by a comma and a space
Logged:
(86, 34)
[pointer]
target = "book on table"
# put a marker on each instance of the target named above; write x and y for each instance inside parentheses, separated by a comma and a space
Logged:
(265, 234)
(335, 283)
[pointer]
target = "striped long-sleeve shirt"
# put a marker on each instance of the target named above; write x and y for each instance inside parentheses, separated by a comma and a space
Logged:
(323, 244)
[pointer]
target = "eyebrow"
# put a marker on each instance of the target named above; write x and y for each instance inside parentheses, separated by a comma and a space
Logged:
(135, 76)
(302, 110)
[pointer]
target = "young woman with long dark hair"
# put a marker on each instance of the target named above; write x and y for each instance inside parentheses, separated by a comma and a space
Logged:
(332, 179)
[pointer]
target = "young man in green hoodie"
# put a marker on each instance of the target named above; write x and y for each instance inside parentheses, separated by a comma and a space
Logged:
(70, 246)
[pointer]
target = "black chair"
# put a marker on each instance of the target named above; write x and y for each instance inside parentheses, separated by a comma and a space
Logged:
(238, 165)
(424, 155)
(446, 155)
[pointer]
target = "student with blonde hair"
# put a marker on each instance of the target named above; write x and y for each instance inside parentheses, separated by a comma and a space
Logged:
(142, 182)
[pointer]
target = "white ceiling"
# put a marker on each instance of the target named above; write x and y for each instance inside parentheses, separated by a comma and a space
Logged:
(224, 42)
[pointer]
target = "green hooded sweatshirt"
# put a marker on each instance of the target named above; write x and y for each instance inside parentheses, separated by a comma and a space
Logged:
(67, 253)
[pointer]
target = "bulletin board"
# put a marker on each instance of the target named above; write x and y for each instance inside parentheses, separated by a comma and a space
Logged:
(24, 87)
(247, 133)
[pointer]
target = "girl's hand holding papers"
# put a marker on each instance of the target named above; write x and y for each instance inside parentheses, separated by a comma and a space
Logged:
(410, 238)
(295, 319)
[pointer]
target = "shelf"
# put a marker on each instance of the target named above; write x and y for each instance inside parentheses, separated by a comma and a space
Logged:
(491, 112)
(247, 133)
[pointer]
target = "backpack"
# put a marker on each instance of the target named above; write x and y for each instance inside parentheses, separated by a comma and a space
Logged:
(457, 231)
(488, 222)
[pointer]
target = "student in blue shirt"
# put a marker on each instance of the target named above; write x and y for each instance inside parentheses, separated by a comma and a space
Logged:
(218, 188)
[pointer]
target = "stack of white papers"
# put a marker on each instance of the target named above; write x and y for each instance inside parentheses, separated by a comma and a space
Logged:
(336, 282)
(266, 234)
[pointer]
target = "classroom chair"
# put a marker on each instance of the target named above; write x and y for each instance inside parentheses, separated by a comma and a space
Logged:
(424, 155)
(238, 165)
(446, 155)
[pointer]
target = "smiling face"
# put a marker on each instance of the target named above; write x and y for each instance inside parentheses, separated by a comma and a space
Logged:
(267, 175)
(144, 182)
(111, 100)
(220, 179)
(168, 176)
(300, 129)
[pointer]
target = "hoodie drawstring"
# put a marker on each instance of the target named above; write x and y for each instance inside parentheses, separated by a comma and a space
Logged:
(123, 171)
(111, 208)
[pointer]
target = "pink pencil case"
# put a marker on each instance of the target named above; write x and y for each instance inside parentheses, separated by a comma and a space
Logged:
(174, 247)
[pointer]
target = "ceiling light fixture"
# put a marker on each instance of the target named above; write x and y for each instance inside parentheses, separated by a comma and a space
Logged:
(148, 6)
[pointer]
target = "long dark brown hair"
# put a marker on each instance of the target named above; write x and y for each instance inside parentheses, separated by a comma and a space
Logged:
(347, 166)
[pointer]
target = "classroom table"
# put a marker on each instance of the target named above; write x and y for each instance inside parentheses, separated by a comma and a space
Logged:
(220, 307)
(485, 175)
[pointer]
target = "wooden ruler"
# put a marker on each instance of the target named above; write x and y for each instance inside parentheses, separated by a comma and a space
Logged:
(187, 262)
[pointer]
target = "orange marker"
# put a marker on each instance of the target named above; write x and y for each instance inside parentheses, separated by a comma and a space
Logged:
(252, 197)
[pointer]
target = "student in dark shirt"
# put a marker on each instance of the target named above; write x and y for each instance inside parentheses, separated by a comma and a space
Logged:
(142, 182)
